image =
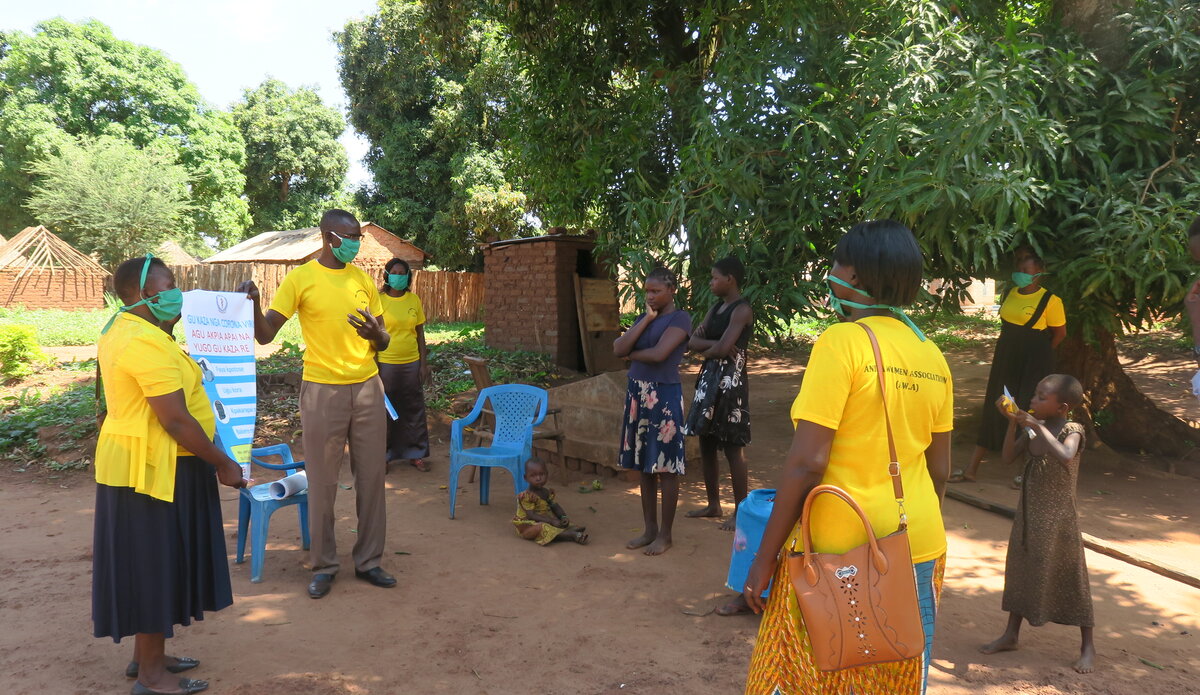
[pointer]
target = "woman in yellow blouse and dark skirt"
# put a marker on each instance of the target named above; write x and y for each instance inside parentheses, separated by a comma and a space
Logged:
(404, 366)
(159, 557)
(1032, 324)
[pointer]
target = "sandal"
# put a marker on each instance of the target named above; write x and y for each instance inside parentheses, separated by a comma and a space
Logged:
(1016, 482)
(581, 537)
(186, 685)
(420, 465)
(959, 476)
(182, 663)
(736, 606)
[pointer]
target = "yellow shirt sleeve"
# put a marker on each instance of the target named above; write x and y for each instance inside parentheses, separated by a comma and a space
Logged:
(287, 296)
(827, 380)
(156, 371)
(1055, 315)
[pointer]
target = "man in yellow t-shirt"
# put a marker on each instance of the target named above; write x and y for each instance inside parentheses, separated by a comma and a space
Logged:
(341, 396)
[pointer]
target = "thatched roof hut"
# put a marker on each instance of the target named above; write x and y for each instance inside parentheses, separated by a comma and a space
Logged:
(297, 246)
(41, 271)
(172, 253)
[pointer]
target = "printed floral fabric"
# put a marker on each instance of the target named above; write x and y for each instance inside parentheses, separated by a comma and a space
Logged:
(719, 406)
(651, 436)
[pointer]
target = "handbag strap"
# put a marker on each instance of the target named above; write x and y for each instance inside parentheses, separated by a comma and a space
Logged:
(893, 459)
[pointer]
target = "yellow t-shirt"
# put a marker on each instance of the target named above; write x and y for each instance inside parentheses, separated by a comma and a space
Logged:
(139, 361)
(324, 297)
(1018, 308)
(401, 316)
(840, 391)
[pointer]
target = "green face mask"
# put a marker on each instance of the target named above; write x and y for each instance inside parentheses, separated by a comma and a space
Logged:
(347, 250)
(839, 305)
(397, 282)
(164, 306)
(1023, 280)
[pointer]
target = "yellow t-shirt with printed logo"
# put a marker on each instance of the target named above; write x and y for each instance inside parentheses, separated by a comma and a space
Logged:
(841, 391)
(323, 298)
(1018, 308)
(138, 360)
(401, 316)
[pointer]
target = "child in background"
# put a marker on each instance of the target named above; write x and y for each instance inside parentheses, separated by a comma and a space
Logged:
(720, 413)
(538, 517)
(651, 433)
(1045, 574)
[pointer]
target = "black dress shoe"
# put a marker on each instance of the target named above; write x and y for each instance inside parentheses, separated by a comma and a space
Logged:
(320, 584)
(187, 685)
(377, 576)
(182, 663)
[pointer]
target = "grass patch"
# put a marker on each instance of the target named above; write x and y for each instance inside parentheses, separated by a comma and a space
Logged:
(56, 327)
(22, 414)
(452, 377)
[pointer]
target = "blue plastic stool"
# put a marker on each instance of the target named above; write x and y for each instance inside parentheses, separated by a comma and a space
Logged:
(752, 515)
(255, 507)
(517, 409)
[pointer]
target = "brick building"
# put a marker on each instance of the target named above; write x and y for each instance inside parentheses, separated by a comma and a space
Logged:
(38, 270)
(529, 294)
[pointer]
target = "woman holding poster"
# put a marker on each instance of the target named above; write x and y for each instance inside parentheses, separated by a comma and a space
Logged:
(404, 366)
(159, 556)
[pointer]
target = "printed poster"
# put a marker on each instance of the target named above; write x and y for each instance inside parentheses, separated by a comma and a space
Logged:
(219, 328)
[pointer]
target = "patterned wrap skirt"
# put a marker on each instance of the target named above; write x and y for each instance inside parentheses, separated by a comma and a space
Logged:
(158, 564)
(651, 436)
(782, 662)
(720, 407)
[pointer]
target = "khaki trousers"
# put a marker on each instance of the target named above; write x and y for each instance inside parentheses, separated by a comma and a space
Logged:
(332, 416)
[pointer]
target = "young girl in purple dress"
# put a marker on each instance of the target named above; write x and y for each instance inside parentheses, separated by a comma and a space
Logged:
(651, 430)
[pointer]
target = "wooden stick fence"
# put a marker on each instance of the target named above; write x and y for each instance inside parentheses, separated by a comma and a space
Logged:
(446, 295)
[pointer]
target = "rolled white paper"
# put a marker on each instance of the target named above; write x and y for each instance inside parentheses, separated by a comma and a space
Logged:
(290, 485)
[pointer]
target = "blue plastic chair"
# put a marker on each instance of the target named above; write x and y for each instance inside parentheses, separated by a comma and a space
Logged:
(255, 507)
(518, 409)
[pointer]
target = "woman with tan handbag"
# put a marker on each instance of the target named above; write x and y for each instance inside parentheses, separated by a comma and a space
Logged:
(861, 491)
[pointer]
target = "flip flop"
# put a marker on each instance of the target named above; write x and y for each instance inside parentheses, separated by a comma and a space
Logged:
(182, 663)
(420, 465)
(734, 607)
(187, 685)
(959, 476)
(581, 538)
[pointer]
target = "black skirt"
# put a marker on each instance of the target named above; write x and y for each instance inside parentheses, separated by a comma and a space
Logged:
(159, 564)
(720, 405)
(408, 436)
(1023, 357)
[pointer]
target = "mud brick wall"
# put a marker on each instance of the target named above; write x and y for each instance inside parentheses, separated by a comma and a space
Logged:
(52, 289)
(529, 296)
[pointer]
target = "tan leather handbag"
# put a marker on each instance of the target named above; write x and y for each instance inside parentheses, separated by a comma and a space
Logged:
(860, 607)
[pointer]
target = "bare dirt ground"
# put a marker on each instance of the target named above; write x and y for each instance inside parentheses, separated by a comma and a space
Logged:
(478, 610)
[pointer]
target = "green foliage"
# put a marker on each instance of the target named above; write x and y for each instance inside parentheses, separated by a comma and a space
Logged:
(56, 327)
(66, 81)
(766, 129)
(19, 351)
(288, 358)
(295, 166)
(433, 119)
(108, 198)
(452, 377)
(21, 415)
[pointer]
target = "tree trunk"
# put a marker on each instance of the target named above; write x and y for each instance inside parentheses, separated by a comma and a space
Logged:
(285, 185)
(1096, 23)
(1116, 410)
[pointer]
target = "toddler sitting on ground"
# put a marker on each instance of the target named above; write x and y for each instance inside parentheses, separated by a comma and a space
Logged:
(538, 517)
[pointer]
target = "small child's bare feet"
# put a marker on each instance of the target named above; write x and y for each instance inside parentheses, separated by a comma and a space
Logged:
(641, 541)
(1003, 643)
(1087, 656)
(710, 510)
(659, 546)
